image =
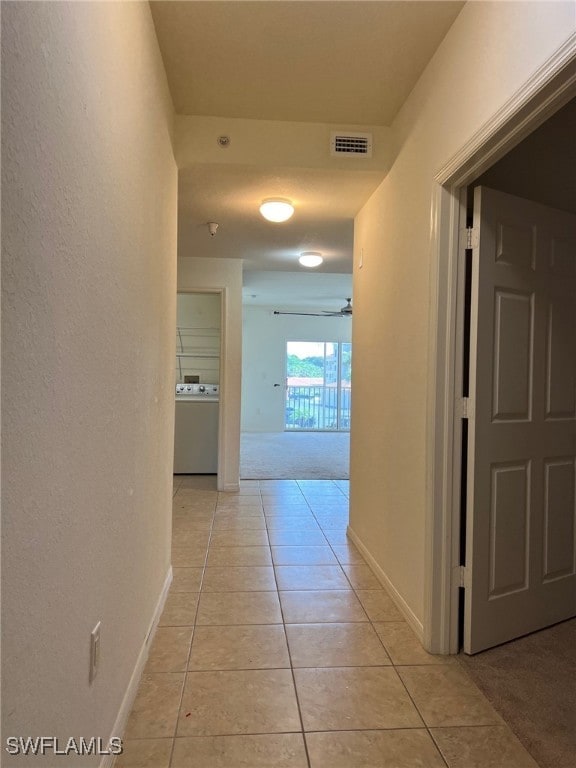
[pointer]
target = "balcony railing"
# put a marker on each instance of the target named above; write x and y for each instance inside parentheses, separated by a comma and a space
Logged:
(318, 408)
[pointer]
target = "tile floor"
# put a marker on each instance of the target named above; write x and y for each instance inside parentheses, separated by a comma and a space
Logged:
(278, 648)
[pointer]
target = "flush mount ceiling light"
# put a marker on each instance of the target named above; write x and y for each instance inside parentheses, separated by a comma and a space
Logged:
(310, 259)
(276, 209)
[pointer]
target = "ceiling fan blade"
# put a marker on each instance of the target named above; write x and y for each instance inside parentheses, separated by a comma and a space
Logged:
(305, 314)
(344, 312)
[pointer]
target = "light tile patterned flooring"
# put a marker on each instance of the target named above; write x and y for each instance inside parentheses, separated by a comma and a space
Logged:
(278, 648)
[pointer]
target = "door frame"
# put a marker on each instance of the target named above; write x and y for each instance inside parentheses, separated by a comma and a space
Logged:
(549, 89)
(222, 482)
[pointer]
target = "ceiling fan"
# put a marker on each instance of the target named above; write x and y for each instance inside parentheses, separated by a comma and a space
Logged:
(345, 311)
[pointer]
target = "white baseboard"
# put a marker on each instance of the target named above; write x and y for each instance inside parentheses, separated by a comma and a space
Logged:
(401, 604)
(230, 488)
(128, 700)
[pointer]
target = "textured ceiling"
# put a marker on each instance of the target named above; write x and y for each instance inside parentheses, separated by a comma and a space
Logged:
(323, 61)
(308, 291)
(326, 202)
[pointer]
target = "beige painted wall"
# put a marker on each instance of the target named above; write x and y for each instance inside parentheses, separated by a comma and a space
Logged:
(89, 189)
(491, 50)
(273, 143)
(225, 275)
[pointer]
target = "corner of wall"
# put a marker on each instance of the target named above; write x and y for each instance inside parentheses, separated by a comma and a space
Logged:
(386, 582)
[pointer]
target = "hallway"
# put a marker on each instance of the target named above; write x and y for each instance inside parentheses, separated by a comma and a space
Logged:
(279, 647)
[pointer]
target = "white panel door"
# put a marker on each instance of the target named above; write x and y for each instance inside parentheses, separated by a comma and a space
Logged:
(521, 490)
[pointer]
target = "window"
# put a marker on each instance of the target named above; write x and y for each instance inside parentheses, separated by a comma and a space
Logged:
(318, 385)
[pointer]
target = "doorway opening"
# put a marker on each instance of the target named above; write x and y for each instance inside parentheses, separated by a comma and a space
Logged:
(553, 87)
(198, 375)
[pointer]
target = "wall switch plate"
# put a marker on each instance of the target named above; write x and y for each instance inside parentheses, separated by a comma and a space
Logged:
(94, 651)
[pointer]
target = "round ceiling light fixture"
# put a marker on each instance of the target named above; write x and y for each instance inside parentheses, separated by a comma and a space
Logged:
(276, 209)
(310, 259)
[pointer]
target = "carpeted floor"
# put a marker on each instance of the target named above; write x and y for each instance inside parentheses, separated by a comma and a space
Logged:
(532, 683)
(295, 455)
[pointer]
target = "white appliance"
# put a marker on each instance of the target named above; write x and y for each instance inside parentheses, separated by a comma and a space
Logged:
(196, 429)
(197, 390)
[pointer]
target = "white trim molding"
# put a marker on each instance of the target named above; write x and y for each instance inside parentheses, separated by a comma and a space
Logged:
(222, 474)
(550, 87)
(438, 607)
(230, 488)
(128, 700)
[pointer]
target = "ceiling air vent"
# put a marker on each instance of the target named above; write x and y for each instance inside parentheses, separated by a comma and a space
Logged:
(349, 144)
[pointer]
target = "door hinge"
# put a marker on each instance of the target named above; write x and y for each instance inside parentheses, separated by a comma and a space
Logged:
(463, 577)
(469, 238)
(463, 407)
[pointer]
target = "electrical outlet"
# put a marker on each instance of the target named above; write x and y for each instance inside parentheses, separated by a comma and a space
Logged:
(94, 651)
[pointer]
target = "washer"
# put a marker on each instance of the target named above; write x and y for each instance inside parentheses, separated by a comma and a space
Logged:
(196, 429)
